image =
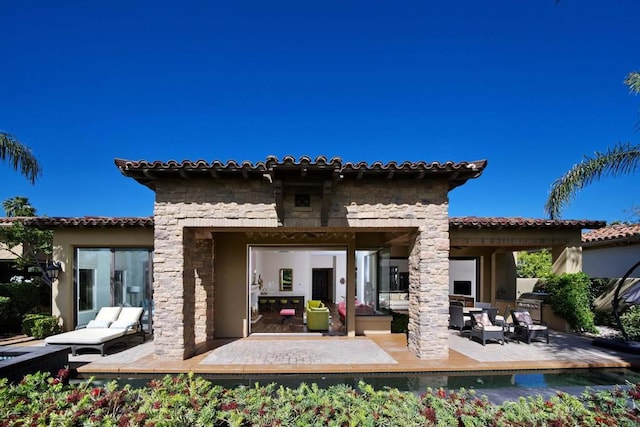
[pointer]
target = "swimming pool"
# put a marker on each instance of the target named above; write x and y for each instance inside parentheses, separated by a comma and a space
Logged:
(497, 386)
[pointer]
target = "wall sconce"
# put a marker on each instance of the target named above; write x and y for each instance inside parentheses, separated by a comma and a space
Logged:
(51, 271)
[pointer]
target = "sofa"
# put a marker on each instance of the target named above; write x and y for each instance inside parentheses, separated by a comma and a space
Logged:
(317, 316)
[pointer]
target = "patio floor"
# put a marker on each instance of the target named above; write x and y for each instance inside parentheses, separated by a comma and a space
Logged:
(282, 354)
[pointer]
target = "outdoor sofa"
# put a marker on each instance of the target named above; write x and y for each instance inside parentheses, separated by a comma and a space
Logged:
(111, 326)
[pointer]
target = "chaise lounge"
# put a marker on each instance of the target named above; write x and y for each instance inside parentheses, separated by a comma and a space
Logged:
(112, 325)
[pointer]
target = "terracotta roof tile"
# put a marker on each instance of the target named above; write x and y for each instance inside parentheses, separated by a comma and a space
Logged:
(617, 233)
(86, 221)
(146, 172)
(516, 222)
(454, 222)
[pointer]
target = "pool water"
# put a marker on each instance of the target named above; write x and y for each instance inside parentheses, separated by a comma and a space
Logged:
(9, 356)
(498, 386)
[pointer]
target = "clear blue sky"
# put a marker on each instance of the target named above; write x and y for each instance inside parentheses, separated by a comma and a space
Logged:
(532, 86)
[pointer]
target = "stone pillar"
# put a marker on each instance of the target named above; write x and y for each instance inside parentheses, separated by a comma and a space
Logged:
(199, 290)
(429, 290)
(168, 290)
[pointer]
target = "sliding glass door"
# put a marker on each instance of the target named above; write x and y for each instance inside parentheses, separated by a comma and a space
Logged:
(113, 277)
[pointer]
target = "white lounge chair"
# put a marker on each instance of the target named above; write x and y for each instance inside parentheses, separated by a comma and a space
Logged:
(112, 325)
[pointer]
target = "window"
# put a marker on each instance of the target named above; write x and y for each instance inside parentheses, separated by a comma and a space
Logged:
(86, 289)
(112, 277)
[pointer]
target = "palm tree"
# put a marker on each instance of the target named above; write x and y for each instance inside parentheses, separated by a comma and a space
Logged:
(622, 159)
(19, 156)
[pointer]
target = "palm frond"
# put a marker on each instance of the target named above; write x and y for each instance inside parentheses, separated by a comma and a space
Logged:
(20, 157)
(633, 81)
(623, 159)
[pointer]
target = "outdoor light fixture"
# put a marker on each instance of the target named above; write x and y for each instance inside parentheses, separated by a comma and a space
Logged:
(52, 271)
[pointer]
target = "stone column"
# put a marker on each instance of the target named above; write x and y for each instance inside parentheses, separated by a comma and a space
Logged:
(429, 290)
(198, 290)
(168, 289)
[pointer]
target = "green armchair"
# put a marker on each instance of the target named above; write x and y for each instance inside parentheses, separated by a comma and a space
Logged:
(317, 316)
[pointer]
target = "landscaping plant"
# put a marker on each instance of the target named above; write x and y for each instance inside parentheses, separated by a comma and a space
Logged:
(631, 322)
(40, 326)
(188, 400)
(569, 299)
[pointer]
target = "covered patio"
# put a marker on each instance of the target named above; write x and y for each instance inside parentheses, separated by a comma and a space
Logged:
(379, 354)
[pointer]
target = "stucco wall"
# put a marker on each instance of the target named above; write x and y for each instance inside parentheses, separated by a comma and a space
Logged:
(65, 241)
(611, 261)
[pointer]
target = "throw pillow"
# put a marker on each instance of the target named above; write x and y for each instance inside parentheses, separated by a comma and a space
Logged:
(482, 319)
(523, 317)
(98, 324)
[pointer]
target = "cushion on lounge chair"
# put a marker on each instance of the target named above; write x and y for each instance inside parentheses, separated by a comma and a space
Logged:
(85, 336)
(130, 315)
(98, 324)
(108, 314)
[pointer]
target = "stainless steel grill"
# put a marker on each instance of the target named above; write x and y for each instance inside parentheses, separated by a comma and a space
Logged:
(532, 302)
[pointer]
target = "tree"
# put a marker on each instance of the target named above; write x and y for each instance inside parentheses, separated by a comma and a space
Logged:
(536, 264)
(31, 246)
(622, 159)
(19, 157)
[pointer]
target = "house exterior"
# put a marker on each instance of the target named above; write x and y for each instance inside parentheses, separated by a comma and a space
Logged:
(225, 233)
(609, 252)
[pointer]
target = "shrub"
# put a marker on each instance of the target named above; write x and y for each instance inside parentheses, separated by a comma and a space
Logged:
(604, 317)
(630, 320)
(5, 308)
(188, 400)
(598, 287)
(534, 264)
(40, 326)
(25, 298)
(569, 298)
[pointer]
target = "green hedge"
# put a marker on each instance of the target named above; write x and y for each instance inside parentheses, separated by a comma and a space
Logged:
(192, 401)
(40, 326)
(630, 320)
(24, 299)
(570, 299)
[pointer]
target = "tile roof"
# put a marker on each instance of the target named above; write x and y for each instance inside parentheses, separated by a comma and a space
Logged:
(614, 234)
(86, 221)
(305, 167)
(454, 222)
(516, 222)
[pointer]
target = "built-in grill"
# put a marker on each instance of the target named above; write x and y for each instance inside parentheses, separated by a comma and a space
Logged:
(532, 302)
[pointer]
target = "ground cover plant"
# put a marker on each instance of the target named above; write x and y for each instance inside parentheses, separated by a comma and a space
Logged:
(188, 400)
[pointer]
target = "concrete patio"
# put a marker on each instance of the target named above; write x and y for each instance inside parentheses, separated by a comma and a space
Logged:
(284, 354)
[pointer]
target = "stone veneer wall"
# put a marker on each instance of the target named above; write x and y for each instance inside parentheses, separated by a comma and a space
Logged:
(198, 279)
(184, 204)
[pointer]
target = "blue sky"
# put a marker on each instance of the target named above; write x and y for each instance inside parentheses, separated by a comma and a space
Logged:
(532, 86)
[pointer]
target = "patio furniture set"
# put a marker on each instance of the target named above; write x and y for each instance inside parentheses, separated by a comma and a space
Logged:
(483, 323)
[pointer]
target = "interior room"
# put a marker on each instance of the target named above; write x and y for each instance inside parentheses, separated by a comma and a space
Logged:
(284, 279)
